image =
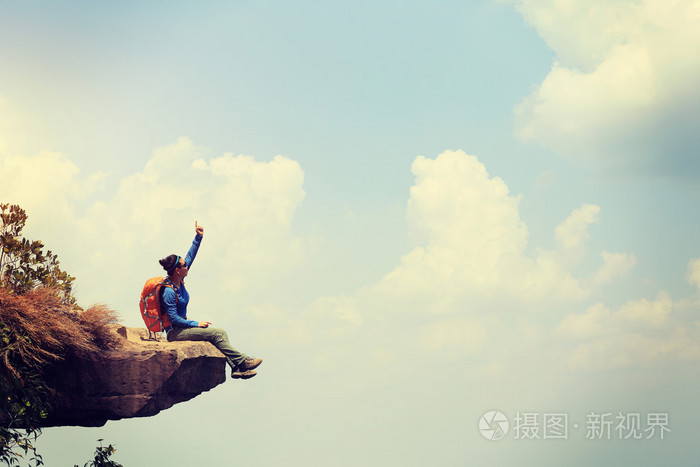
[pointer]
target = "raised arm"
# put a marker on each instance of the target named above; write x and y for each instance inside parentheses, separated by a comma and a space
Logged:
(199, 234)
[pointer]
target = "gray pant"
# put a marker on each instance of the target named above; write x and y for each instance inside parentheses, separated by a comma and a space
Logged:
(216, 336)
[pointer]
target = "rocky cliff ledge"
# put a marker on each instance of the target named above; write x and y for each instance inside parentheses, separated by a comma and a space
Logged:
(139, 378)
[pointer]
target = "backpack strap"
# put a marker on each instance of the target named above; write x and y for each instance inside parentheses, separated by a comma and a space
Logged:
(161, 288)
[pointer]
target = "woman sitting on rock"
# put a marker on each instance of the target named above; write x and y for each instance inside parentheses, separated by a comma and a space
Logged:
(174, 303)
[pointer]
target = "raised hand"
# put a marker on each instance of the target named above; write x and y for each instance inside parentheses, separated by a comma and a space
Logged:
(198, 228)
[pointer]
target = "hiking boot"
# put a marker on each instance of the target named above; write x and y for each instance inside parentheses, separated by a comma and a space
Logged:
(238, 374)
(250, 363)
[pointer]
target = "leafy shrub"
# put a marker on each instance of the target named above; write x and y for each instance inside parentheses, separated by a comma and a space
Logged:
(39, 324)
(24, 264)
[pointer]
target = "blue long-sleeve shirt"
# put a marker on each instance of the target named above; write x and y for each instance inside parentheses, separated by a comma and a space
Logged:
(176, 308)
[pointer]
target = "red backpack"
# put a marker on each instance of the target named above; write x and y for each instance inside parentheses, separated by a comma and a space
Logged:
(155, 318)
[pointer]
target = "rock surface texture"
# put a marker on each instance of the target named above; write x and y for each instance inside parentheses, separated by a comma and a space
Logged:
(139, 378)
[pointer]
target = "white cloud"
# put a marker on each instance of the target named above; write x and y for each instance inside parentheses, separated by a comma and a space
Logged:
(638, 333)
(694, 272)
(468, 287)
(621, 89)
(246, 208)
(582, 33)
(645, 313)
(614, 265)
(572, 234)
(472, 242)
(590, 323)
(47, 184)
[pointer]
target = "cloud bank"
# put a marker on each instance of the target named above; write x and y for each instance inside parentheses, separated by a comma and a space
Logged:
(621, 94)
(472, 242)
(470, 282)
(468, 288)
(246, 207)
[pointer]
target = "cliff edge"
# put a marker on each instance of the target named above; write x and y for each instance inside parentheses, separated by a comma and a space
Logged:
(137, 378)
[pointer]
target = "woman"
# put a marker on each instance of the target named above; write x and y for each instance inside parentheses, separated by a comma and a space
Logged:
(174, 302)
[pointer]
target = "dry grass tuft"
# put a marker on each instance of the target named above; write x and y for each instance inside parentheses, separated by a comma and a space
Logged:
(42, 328)
(96, 320)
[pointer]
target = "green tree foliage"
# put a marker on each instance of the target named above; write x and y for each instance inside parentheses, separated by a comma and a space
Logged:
(23, 263)
(23, 266)
(102, 457)
(39, 323)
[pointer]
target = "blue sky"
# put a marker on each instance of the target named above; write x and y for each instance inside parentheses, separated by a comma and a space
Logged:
(415, 212)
